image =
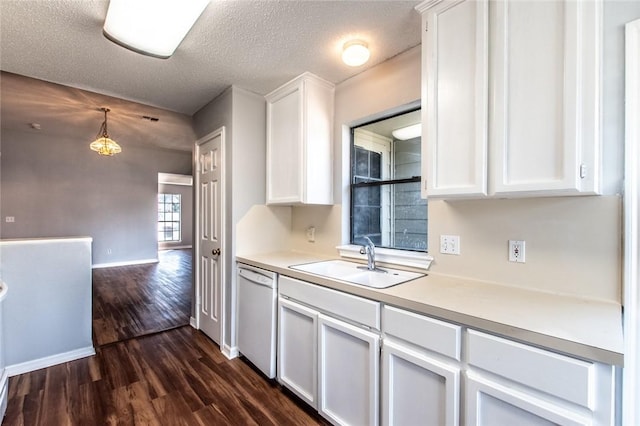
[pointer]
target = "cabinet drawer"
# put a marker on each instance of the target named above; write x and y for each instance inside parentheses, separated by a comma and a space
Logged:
(434, 335)
(567, 378)
(346, 306)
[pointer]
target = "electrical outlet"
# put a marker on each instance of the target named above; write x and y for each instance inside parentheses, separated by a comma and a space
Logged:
(10, 219)
(450, 244)
(311, 234)
(516, 251)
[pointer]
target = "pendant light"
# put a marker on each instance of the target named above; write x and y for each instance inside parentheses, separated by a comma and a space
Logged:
(103, 144)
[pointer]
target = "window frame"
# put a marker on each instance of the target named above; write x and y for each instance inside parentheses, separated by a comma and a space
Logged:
(389, 183)
(179, 221)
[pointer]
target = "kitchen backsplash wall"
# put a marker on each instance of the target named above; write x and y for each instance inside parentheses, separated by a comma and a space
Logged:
(573, 244)
(264, 229)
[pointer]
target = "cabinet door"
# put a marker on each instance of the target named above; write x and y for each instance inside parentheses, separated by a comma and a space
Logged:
(545, 79)
(284, 146)
(417, 389)
(455, 99)
(348, 363)
(297, 350)
(489, 402)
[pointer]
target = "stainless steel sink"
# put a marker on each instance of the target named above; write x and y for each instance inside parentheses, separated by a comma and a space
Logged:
(356, 273)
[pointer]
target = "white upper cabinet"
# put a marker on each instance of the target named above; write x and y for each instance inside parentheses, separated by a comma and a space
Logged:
(455, 98)
(299, 142)
(511, 98)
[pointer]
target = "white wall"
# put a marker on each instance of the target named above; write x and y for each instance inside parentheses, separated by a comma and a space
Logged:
(573, 244)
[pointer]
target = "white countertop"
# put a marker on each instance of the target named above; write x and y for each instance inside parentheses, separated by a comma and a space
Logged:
(586, 328)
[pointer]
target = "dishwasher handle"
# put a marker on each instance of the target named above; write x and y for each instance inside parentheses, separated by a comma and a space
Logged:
(256, 277)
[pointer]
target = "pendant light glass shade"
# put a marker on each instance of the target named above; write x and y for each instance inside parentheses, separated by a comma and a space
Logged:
(103, 144)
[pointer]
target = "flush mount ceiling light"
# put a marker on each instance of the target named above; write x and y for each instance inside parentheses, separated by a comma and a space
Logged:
(103, 144)
(355, 53)
(151, 27)
(409, 132)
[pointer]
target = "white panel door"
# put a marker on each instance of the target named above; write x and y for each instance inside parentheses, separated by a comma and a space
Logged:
(417, 389)
(348, 365)
(455, 99)
(297, 350)
(545, 79)
(490, 403)
(210, 234)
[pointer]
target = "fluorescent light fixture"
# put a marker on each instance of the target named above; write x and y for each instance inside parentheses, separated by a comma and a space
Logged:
(355, 53)
(409, 132)
(151, 27)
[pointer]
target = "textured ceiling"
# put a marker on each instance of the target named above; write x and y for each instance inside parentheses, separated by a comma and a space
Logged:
(256, 45)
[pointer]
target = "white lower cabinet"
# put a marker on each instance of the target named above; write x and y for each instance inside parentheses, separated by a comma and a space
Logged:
(513, 383)
(297, 350)
(420, 370)
(417, 389)
(494, 403)
(348, 365)
(329, 351)
(329, 355)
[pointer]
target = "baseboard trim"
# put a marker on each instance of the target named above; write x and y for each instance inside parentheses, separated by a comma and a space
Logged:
(37, 364)
(4, 393)
(125, 263)
(193, 323)
(174, 248)
(230, 352)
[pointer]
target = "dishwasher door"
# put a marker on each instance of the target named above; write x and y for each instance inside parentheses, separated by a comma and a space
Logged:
(257, 299)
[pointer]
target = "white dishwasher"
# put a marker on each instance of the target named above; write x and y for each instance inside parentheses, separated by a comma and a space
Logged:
(257, 300)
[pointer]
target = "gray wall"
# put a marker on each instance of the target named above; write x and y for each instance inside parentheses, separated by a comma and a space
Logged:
(55, 186)
(243, 114)
(47, 312)
(186, 216)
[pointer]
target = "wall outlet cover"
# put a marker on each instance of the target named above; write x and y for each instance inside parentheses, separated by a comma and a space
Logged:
(517, 251)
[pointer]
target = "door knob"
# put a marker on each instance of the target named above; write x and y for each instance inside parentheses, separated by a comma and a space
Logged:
(215, 252)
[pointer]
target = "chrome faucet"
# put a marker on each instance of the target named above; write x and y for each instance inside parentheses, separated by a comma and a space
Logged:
(370, 251)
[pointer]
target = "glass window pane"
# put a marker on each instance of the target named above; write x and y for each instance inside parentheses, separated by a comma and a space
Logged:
(391, 215)
(362, 162)
(375, 165)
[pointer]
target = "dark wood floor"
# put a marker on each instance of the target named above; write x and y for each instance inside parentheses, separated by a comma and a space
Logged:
(140, 376)
(178, 377)
(132, 301)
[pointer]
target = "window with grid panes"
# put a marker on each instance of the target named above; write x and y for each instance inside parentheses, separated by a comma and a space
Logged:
(386, 204)
(169, 224)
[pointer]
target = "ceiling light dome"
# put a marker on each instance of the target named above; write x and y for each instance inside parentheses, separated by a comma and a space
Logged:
(355, 53)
